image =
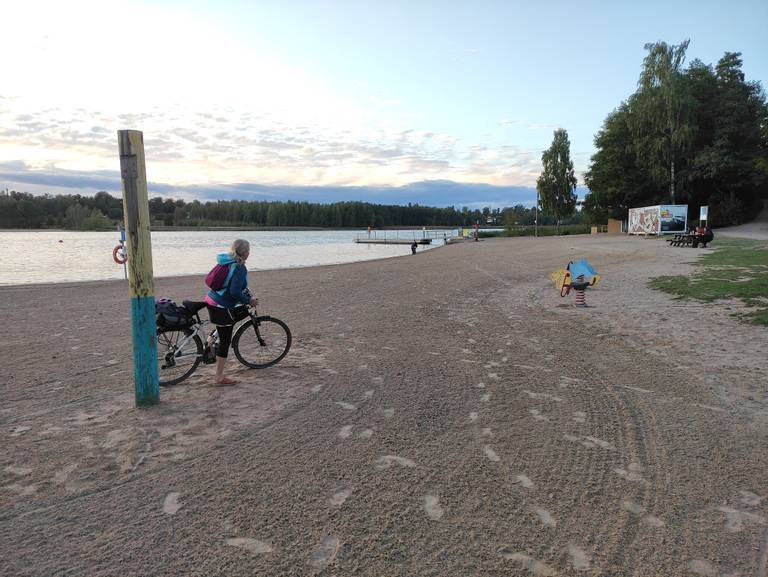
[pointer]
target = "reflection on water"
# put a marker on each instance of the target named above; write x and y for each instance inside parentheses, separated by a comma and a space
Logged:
(63, 256)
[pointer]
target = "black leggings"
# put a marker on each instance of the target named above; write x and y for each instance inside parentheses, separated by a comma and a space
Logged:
(225, 320)
(225, 338)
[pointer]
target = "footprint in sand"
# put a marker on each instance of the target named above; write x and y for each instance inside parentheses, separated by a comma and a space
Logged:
(365, 434)
(580, 416)
(533, 565)
(491, 454)
(362, 367)
(638, 389)
(525, 481)
(701, 567)
(325, 553)
(747, 497)
(734, 519)
(171, 504)
(23, 490)
(538, 416)
(250, 545)
(345, 431)
(533, 395)
(480, 385)
(339, 497)
(494, 376)
(389, 413)
(346, 406)
(377, 380)
(18, 471)
(631, 473)
(486, 432)
(60, 477)
(637, 509)
(432, 507)
(485, 398)
(579, 559)
(595, 442)
(317, 388)
(472, 417)
(18, 431)
(544, 516)
(387, 461)
(367, 395)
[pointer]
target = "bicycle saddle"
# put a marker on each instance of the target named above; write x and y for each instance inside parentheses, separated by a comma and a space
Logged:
(193, 306)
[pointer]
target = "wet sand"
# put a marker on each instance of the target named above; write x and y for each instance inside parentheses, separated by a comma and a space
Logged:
(439, 414)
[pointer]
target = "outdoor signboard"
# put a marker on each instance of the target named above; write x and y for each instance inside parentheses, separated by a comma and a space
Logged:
(703, 213)
(660, 219)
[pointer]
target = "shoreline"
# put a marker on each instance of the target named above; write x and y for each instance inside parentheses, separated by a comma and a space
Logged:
(202, 274)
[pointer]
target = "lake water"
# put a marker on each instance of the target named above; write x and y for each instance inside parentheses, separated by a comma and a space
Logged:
(38, 256)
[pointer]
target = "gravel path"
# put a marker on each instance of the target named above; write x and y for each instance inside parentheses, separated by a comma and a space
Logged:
(440, 414)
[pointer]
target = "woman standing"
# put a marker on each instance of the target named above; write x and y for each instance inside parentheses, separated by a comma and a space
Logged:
(229, 304)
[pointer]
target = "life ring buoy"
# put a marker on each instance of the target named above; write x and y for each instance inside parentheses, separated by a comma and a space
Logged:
(118, 255)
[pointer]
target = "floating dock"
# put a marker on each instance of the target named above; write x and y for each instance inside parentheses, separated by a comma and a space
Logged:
(385, 240)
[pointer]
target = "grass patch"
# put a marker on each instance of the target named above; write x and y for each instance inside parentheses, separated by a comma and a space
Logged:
(736, 269)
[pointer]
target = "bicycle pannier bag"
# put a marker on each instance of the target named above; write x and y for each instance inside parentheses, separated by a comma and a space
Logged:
(169, 315)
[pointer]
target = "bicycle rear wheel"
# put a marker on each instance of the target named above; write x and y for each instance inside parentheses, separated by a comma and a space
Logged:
(262, 342)
(176, 360)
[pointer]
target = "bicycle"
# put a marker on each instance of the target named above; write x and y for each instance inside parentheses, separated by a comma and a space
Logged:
(259, 343)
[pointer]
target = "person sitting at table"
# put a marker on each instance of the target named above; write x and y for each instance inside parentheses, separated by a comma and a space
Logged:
(704, 238)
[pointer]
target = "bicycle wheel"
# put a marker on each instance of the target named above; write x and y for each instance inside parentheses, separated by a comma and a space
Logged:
(262, 343)
(176, 360)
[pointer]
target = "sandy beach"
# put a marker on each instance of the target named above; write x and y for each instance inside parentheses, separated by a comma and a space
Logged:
(443, 414)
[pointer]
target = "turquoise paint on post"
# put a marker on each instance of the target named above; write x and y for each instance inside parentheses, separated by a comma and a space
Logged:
(145, 350)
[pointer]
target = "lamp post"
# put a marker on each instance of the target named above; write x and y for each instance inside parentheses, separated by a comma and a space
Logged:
(536, 217)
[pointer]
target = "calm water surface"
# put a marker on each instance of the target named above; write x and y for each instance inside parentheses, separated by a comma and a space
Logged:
(38, 256)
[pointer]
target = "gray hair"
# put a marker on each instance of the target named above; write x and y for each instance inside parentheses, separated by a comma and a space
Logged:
(238, 249)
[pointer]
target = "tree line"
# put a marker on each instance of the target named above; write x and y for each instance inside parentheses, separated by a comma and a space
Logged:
(695, 135)
(103, 211)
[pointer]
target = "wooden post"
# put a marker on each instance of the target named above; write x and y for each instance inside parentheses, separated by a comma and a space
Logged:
(141, 283)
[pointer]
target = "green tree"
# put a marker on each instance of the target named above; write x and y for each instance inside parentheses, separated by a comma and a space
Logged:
(662, 107)
(75, 216)
(557, 184)
(96, 220)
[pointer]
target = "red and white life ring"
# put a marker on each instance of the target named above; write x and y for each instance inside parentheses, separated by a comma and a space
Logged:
(119, 255)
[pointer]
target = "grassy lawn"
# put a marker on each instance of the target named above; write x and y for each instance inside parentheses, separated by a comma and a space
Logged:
(735, 269)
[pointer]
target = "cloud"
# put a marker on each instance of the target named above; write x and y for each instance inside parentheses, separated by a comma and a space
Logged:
(439, 193)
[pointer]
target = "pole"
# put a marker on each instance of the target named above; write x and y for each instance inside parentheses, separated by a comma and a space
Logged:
(141, 284)
(536, 218)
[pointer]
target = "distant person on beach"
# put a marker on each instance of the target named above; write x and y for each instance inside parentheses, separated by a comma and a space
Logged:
(413, 247)
(228, 305)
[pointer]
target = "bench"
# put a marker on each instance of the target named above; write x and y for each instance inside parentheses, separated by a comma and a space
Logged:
(694, 240)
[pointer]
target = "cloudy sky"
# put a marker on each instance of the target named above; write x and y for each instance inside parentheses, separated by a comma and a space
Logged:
(434, 101)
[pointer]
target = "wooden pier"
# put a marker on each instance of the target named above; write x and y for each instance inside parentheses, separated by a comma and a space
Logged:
(384, 240)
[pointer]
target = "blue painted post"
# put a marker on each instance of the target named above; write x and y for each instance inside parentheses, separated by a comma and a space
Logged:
(140, 280)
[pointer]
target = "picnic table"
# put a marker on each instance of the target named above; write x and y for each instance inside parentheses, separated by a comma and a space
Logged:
(689, 239)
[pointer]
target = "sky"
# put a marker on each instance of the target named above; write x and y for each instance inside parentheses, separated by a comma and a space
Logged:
(440, 102)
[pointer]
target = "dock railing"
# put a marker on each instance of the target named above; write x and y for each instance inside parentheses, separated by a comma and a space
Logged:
(402, 236)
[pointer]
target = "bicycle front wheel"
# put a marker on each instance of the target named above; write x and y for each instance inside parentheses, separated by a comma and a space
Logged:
(261, 343)
(177, 355)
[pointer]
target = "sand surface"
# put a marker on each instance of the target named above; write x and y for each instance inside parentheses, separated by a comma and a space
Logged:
(440, 414)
